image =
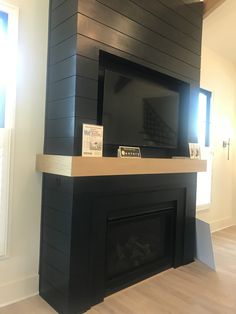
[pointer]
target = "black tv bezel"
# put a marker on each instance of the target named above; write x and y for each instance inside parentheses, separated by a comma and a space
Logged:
(123, 66)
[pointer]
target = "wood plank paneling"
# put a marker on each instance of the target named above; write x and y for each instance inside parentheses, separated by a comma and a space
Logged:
(56, 258)
(125, 25)
(71, 107)
(153, 23)
(63, 12)
(60, 109)
(65, 49)
(161, 35)
(56, 239)
(56, 3)
(59, 184)
(87, 67)
(61, 81)
(194, 5)
(59, 200)
(170, 17)
(55, 278)
(186, 12)
(58, 145)
(62, 89)
(101, 33)
(53, 296)
(58, 221)
(63, 31)
(90, 47)
(62, 70)
(60, 127)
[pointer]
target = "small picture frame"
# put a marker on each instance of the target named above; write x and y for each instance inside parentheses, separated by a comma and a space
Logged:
(194, 151)
(92, 143)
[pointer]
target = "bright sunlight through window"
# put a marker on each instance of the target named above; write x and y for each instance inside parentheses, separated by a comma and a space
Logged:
(204, 178)
(8, 48)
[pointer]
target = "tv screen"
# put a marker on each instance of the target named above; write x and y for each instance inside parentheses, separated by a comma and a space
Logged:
(139, 112)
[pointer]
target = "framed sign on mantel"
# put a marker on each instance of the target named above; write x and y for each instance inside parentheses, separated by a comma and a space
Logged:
(92, 143)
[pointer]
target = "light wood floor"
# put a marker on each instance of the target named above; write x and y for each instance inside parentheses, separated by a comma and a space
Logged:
(192, 289)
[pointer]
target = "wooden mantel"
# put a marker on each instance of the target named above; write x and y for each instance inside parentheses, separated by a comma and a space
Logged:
(77, 166)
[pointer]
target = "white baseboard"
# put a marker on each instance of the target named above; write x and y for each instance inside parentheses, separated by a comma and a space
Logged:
(222, 223)
(19, 290)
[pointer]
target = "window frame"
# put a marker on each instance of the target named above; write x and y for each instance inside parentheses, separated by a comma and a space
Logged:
(9, 123)
(208, 95)
(207, 144)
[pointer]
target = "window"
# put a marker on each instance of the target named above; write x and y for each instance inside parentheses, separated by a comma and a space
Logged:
(3, 39)
(204, 178)
(8, 45)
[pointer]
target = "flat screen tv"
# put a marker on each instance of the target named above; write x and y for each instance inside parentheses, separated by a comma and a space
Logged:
(141, 107)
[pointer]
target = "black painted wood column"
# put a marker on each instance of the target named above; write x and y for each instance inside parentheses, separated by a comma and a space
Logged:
(161, 35)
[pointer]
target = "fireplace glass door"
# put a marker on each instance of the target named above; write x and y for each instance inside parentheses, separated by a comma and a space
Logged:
(138, 245)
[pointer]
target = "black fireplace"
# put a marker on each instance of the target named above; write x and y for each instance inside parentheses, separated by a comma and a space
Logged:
(120, 230)
(139, 245)
(82, 218)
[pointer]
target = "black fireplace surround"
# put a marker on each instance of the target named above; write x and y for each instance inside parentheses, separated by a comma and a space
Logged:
(101, 234)
(119, 231)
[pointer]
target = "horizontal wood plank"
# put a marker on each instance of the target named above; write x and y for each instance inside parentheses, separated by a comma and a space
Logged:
(170, 17)
(195, 5)
(90, 48)
(63, 12)
(56, 3)
(153, 23)
(183, 10)
(191, 289)
(63, 31)
(77, 166)
(62, 51)
(59, 146)
(103, 14)
(101, 33)
(61, 108)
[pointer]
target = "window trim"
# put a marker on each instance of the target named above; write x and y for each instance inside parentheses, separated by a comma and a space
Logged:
(207, 145)
(208, 95)
(10, 104)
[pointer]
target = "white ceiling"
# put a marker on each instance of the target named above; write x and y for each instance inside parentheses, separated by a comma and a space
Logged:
(219, 30)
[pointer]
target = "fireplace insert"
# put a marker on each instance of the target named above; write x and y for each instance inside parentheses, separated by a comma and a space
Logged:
(138, 246)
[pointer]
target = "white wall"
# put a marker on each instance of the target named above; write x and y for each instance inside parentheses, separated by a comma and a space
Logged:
(19, 272)
(218, 75)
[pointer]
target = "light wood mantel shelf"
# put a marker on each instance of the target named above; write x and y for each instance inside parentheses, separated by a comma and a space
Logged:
(77, 166)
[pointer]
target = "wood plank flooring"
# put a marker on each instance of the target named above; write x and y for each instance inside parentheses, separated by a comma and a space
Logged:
(192, 289)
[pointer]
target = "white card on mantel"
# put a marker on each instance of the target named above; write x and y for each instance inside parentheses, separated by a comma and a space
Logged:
(92, 140)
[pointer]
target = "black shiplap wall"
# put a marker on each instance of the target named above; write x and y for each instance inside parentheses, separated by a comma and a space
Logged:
(55, 244)
(159, 34)
(162, 35)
